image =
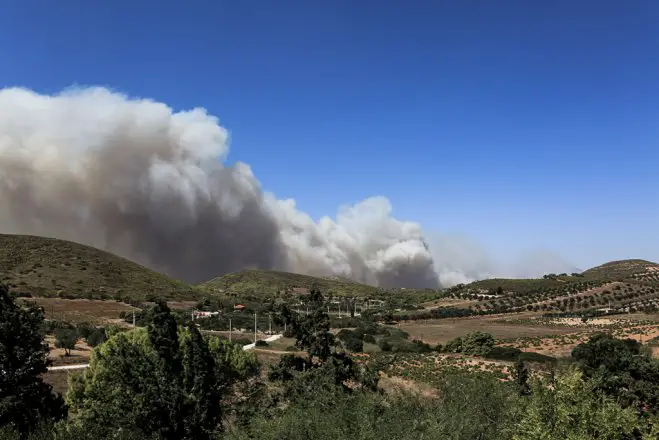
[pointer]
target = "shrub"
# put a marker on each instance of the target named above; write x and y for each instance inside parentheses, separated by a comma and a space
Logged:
(96, 337)
(369, 338)
(261, 343)
(384, 344)
(397, 333)
(354, 344)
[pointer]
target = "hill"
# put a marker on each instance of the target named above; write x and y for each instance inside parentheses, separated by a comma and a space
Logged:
(626, 270)
(625, 285)
(273, 282)
(49, 267)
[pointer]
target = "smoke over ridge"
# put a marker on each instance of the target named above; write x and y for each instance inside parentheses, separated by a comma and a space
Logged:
(136, 178)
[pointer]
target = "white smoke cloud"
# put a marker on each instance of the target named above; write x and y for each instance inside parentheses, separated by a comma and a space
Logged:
(135, 178)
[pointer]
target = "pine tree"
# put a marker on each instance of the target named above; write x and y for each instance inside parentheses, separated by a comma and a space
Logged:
(202, 387)
(25, 399)
(521, 377)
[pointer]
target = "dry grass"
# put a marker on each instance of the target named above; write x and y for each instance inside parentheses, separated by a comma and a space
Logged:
(81, 310)
(59, 380)
(443, 330)
(395, 384)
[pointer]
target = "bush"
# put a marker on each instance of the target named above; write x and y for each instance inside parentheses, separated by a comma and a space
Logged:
(84, 329)
(397, 333)
(475, 344)
(354, 344)
(384, 344)
(261, 343)
(96, 337)
(454, 345)
(344, 334)
(369, 338)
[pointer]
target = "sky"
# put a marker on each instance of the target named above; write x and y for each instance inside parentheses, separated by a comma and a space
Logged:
(519, 125)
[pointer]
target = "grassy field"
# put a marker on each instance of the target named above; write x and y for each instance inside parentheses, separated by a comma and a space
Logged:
(48, 267)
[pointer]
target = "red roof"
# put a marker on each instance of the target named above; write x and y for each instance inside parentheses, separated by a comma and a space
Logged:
(239, 306)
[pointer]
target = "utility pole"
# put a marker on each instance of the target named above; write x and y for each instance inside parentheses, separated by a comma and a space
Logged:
(270, 323)
(133, 318)
(255, 328)
(230, 329)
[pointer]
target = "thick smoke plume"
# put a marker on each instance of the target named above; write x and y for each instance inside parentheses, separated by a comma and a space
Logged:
(135, 178)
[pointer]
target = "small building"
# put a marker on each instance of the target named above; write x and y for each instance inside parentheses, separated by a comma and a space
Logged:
(202, 314)
(239, 307)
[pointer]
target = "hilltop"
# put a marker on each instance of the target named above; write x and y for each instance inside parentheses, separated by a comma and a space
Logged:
(623, 270)
(273, 282)
(50, 267)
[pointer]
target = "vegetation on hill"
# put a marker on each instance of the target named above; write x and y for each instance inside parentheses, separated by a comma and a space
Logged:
(274, 283)
(49, 267)
(625, 270)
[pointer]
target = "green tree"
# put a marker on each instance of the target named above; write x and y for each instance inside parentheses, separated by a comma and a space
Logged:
(96, 337)
(312, 334)
(25, 399)
(571, 408)
(621, 368)
(66, 338)
(161, 381)
(521, 377)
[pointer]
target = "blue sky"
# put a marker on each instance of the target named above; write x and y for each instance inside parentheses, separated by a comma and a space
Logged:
(522, 125)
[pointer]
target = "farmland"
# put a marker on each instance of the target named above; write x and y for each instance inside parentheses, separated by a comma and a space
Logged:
(549, 316)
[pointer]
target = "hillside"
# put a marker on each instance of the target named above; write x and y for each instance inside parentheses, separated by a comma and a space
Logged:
(49, 267)
(626, 270)
(625, 285)
(273, 282)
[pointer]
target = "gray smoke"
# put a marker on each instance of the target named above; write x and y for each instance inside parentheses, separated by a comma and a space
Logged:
(460, 260)
(135, 178)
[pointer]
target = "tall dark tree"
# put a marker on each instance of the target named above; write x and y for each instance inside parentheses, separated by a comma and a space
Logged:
(163, 334)
(202, 388)
(156, 383)
(521, 377)
(312, 331)
(25, 399)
